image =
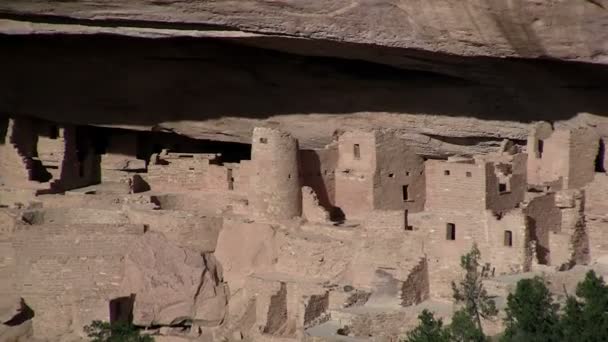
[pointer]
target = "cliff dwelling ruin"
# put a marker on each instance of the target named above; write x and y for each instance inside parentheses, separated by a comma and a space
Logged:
(210, 178)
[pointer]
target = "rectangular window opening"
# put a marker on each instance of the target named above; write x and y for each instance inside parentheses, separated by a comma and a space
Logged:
(468, 174)
(503, 188)
(508, 238)
(405, 192)
(450, 231)
(446, 172)
(54, 132)
(263, 141)
(540, 148)
(230, 180)
(357, 151)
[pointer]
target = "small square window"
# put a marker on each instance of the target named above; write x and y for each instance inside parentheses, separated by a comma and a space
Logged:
(502, 188)
(407, 173)
(468, 174)
(391, 175)
(446, 172)
(263, 141)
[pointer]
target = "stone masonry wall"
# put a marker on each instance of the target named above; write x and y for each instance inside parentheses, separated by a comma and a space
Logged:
(69, 273)
(275, 182)
(398, 170)
(455, 185)
(584, 147)
(318, 168)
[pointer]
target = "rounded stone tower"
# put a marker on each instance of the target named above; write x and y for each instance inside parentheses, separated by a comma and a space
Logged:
(275, 183)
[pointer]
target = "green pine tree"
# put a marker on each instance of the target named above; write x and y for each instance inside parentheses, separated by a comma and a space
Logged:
(586, 319)
(99, 331)
(470, 290)
(464, 329)
(430, 329)
(532, 316)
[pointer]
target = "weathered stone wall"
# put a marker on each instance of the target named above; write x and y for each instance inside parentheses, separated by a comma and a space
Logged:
(544, 220)
(68, 273)
(80, 166)
(512, 174)
(275, 181)
(583, 149)
(188, 229)
(456, 185)
(177, 172)
(415, 288)
(596, 210)
(311, 209)
(567, 159)
(318, 171)
(399, 182)
(354, 174)
(481, 227)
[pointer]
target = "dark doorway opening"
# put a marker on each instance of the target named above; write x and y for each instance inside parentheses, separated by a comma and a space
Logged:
(450, 232)
(508, 238)
(121, 309)
(599, 159)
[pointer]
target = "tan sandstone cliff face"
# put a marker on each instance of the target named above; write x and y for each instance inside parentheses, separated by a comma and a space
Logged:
(452, 76)
(568, 30)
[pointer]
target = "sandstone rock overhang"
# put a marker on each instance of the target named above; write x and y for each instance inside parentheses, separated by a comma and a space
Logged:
(479, 71)
(565, 30)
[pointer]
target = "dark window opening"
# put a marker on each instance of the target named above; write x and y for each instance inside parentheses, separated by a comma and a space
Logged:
(357, 151)
(407, 173)
(230, 180)
(186, 156)
(405, 192)
(502, 188)
(599, 159)
(406, 223)
(121, 309)
(508, 240)
(391, 175)
(540, 147)
(468, 174)
(263, 141)
(54, 132)
(450, 231)
(446, 172)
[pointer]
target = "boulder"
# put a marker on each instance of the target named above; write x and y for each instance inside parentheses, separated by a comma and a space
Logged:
(168, 281)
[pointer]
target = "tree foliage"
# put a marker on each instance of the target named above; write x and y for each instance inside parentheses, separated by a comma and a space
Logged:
(99, 331)
(470, 290)
(464, 329)
(430, 329)
(531, 313)
(586, 318)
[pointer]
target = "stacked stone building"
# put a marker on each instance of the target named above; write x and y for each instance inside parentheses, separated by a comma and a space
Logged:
(284, 236)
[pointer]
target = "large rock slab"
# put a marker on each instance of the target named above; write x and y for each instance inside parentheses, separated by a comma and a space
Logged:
(171, 284)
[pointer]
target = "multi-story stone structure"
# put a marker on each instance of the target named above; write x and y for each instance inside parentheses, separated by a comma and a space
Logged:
(291, 228)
